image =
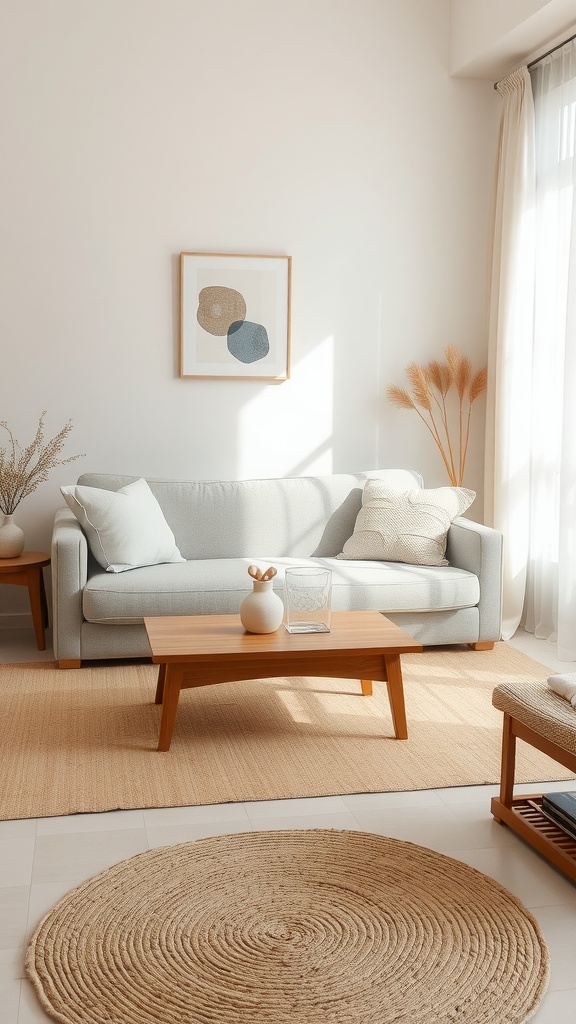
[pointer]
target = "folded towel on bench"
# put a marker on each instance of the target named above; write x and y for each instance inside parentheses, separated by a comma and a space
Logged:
(564, 685)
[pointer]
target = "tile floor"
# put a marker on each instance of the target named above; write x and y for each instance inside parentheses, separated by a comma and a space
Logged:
(42, 859)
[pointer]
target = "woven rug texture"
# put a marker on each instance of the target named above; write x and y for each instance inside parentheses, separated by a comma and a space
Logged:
(290, 927)
(82, 740)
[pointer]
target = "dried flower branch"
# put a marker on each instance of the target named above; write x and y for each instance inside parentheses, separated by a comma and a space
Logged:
(23, 470)
(430, 385)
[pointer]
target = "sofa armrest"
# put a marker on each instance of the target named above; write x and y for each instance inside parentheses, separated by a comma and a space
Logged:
(478, 549)
(69, 554)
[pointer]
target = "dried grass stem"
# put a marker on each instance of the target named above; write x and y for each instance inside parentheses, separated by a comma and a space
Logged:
(22, 470)
(429, 397)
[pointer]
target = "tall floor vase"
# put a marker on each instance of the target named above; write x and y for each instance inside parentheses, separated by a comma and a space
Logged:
(11, 538)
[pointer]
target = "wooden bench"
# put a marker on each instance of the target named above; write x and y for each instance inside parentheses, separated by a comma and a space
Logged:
(537, 715)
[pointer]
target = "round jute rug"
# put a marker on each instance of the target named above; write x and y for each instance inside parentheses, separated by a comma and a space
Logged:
(289, 927)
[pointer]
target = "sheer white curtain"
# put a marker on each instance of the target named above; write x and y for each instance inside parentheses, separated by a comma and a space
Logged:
(551, 581)
(531, 427)
(507, 465)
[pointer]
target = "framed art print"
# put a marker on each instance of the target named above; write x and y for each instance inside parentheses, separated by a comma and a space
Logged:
(235, 316)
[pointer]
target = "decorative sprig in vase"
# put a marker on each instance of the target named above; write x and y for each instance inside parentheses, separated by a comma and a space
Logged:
(428, 396)
(22, 470)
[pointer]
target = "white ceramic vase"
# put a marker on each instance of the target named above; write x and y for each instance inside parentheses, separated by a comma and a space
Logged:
(262, 611)
(11, 538)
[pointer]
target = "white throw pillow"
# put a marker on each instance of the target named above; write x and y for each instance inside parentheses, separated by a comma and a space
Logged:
(408, 526)
(125, 528)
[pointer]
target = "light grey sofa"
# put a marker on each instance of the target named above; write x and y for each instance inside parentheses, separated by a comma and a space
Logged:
(221, 527)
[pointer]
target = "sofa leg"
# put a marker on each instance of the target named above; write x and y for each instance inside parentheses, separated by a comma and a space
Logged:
(482, 645)
(72, 663)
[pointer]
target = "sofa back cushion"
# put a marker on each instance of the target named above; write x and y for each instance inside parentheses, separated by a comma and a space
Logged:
(291, 516)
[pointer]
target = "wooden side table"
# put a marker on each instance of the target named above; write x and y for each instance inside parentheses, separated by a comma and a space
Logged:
(26, 571)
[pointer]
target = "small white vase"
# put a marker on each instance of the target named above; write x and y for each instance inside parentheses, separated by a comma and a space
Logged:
(11, 538)
(262, 611)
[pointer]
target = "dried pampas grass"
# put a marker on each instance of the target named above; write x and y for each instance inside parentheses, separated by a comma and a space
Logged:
(430, 385)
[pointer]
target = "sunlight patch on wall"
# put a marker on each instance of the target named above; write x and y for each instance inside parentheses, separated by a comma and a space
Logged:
(287, 429)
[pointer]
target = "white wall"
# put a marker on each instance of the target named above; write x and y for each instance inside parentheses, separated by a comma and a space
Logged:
(489, 38)
(329, 130)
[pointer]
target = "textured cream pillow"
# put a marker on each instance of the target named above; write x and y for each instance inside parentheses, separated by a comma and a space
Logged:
(408, 526)
(125, 528)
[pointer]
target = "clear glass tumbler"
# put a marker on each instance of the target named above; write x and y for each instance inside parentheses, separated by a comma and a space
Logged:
(307, 599)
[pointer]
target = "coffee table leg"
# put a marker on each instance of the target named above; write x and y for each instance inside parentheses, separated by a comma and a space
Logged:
(396, 695)
(160, 684)
(171, 696)
(366, 685)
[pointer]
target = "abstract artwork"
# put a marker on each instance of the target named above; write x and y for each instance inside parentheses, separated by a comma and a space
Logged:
(235, 316)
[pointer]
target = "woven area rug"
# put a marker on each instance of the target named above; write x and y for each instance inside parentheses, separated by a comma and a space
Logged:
(292, 927)
(85, 739)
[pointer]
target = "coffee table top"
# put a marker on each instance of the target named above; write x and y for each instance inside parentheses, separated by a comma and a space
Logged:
(187, 637)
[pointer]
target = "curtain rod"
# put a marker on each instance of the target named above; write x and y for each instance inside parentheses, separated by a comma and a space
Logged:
(547, 54)
(552, 50)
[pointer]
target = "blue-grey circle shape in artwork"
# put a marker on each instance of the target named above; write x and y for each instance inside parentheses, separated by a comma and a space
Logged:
(248, 342)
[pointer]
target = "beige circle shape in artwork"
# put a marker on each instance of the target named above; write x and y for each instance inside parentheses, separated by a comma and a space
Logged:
(219, 307)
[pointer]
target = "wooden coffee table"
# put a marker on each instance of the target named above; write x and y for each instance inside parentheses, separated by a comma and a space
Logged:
(200, 650)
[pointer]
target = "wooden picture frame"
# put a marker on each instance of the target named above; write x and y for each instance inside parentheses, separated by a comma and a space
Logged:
(235, 316)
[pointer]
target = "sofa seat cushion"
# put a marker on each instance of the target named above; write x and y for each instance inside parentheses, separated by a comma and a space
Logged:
(217, 586)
